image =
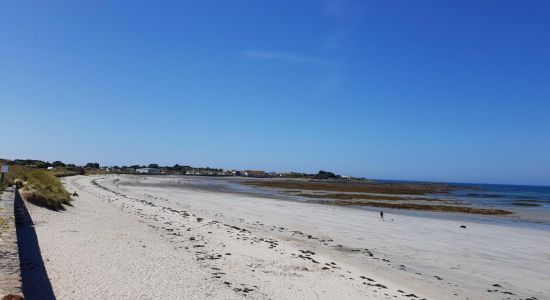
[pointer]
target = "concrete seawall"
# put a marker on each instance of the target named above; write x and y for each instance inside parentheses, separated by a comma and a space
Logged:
(10, 275)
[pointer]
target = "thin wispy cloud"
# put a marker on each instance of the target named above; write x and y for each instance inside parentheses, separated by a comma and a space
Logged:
(285, 57)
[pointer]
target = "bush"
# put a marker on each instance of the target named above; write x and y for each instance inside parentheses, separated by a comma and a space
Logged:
(325, 175)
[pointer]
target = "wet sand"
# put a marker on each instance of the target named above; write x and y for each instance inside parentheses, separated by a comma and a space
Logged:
(144, 236)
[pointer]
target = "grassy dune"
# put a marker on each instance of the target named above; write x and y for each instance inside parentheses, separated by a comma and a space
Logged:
(40, 187)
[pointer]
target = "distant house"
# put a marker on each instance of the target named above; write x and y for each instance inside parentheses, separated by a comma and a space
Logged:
(147, 171)
(254, 173)
(227, 172)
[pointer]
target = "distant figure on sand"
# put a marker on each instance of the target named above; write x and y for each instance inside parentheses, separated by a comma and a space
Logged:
(382, 215)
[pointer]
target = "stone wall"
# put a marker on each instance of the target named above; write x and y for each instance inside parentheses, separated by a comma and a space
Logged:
(10, 273)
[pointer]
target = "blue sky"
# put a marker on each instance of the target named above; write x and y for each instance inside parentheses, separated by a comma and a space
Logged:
(418, 90)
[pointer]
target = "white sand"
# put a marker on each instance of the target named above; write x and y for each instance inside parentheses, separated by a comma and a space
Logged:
(136, 242)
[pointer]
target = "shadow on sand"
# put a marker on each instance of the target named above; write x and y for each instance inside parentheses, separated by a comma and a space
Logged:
(35, 281)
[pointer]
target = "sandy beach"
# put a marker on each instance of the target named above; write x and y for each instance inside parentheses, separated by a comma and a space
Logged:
(130, 237)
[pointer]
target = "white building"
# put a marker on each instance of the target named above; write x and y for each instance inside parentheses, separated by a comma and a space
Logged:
(147, 171)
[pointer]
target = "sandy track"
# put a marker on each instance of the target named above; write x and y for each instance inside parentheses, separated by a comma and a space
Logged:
(138, 242)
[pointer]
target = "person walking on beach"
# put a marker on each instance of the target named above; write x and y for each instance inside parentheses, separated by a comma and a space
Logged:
(382, 215)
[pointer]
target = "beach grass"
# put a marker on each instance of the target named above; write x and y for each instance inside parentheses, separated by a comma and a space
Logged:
(97, 172)
(39, 186)
(61, 172)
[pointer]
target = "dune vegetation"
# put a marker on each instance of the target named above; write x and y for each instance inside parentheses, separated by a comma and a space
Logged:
(39, 186)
